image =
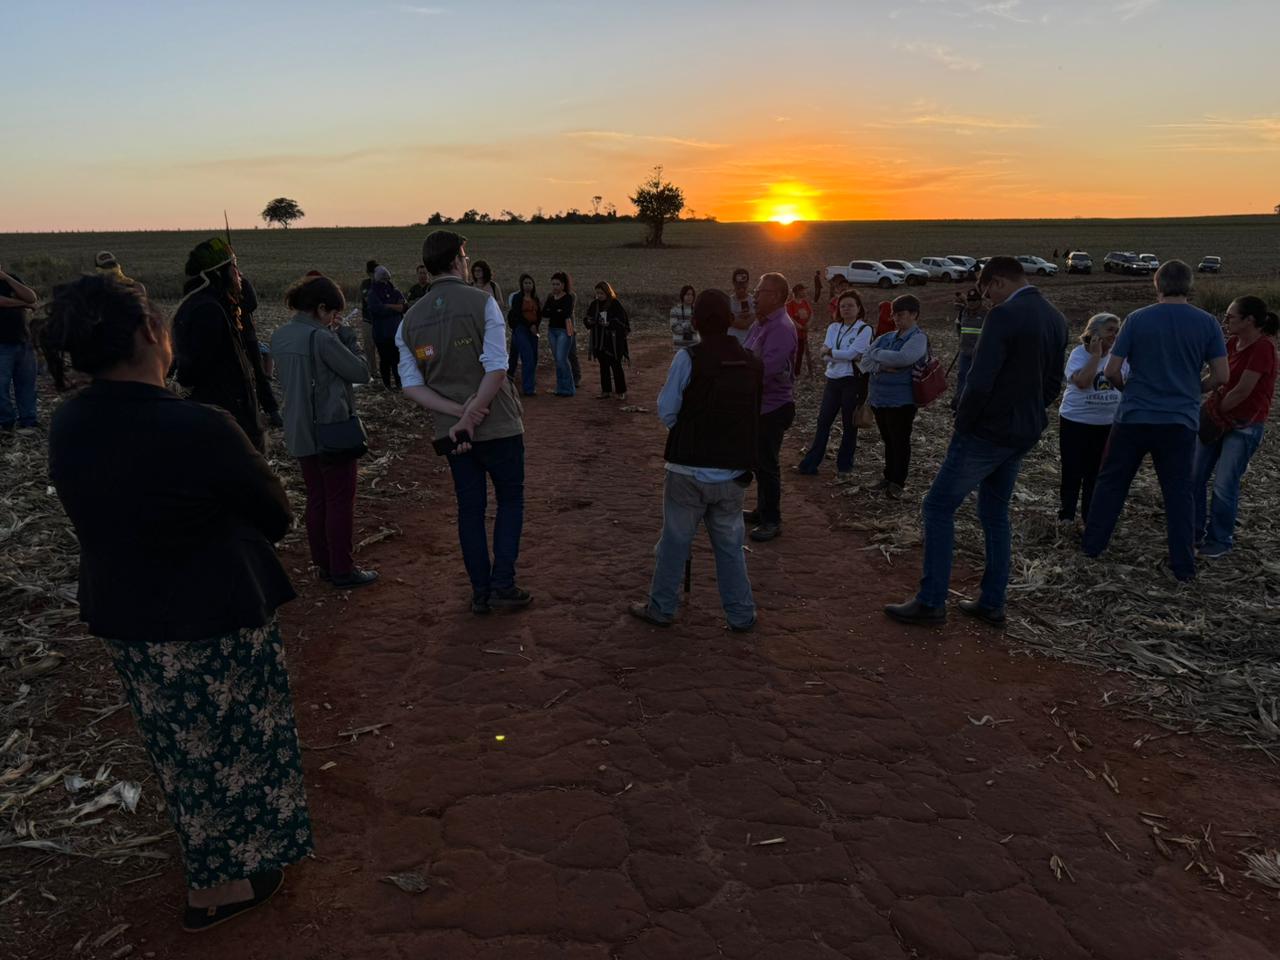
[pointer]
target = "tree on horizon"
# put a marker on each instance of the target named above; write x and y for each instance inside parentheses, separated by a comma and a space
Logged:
(283, 211)
(658, 202)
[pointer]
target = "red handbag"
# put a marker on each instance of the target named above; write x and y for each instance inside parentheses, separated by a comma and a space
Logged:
(928, 380)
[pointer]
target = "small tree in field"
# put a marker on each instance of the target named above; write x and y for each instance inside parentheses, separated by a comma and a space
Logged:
(657, 204)
(283, 211)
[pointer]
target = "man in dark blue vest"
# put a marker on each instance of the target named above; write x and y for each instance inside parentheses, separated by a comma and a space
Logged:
(711, 405)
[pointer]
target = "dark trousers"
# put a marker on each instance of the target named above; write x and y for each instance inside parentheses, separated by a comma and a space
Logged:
(895, 424)
(388, 361)
(573, 361)
(611, 375)
(773, 428)
(1080, 446)
(330, 514)
(842, 397)
(501, 461)
(1172, 447)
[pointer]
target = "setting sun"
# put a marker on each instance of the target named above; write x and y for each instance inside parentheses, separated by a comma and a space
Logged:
(788, 201)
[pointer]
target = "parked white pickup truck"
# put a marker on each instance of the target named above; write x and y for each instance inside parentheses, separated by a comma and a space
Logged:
(871, 272)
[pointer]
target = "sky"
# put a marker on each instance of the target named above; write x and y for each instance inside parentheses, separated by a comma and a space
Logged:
(142, 114)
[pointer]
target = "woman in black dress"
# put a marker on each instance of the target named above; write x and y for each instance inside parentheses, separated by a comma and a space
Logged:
(609, 326)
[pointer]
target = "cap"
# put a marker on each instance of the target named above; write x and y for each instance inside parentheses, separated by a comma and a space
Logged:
(105, 259)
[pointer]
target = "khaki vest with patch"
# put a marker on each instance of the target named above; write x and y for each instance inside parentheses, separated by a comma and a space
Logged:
(445, 333)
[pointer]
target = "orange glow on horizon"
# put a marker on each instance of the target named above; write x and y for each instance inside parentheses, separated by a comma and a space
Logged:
(786, 202)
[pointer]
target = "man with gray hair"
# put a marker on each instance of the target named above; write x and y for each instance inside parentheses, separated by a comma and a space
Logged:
(773, 340)
(1167, 346)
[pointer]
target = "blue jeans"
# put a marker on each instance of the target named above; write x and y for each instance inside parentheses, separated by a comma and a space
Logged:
(524, 352)
(503, 461)
(840, 396)
(17, 383)
(1172, 448)
(970, 462)
(1226, 462)
(561, 345)
(685, 502)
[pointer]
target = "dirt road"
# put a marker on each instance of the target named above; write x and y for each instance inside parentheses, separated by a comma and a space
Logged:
(574, 785)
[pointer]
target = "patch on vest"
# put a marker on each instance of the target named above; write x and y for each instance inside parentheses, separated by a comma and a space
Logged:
(425, 353)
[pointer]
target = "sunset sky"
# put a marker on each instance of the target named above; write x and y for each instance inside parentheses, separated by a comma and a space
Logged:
(144, 114)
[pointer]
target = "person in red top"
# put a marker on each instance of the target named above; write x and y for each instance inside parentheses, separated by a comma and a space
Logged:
(1242, 405)
(884, 321)
(800, 310)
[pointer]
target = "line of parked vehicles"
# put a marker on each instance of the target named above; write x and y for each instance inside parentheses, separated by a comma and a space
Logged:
(958, 269)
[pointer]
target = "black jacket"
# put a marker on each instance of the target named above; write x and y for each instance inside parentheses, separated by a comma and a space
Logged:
(1016, 372)
(719, 421)
(175, 513)
(212, 362)
(252, 351)
(608, 342)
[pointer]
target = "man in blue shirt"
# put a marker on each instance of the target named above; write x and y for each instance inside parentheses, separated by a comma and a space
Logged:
(711, 406)
(1167, 346)
(1016, 374)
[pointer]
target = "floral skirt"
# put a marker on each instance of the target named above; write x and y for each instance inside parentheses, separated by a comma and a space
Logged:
(217, 718)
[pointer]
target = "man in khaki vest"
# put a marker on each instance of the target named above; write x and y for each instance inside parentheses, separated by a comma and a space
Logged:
(453, 362)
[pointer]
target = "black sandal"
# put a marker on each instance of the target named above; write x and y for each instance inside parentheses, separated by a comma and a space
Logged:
(200, 919)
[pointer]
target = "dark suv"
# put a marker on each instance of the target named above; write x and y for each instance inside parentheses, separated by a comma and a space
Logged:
(1117, 262)
(1079, 262)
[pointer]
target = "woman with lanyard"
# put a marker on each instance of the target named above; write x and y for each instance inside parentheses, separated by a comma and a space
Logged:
(682, 332)
(889, 361)
(524, 313)
(846, 341)
(1088, 409)
(1241, 406)
(609, 326)
(557, 310)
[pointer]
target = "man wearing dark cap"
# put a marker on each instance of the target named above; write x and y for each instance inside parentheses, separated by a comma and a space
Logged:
(453, 362)
(711, 407)
(209, 337)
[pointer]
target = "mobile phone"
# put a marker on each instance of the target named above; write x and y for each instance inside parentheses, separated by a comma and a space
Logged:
(447, 445)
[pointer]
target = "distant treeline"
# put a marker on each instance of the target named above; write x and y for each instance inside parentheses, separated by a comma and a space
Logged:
(572, 215)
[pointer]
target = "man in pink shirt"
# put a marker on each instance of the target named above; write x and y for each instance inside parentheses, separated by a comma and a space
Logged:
(773, 340)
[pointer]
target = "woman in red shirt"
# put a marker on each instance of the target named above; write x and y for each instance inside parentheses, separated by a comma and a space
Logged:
(1244, 402)
(800, 310)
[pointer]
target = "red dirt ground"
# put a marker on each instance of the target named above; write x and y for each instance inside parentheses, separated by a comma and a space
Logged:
(624, 814)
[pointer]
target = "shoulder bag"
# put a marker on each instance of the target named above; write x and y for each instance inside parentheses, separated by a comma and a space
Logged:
(928, 378)
(341, 441)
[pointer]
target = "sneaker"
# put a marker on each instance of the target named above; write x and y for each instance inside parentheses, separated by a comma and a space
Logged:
(893, 491)
(480, 604)
(642, 611)
(744, 627)
(356, 578)
(509, 598)
(1212, 551)
(766, 532)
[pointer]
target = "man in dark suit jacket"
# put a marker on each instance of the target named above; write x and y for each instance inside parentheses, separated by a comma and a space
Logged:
(1016, 374)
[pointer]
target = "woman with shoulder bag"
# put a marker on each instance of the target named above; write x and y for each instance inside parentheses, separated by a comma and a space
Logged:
(318, 359)
(846, 341)
(1236, 413)
(176, 515)
(890, 361)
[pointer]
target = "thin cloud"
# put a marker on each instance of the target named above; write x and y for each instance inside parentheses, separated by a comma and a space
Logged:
(1128, 9)
(966, 122)
(617, 136)
(1223, 135)
(939, 53)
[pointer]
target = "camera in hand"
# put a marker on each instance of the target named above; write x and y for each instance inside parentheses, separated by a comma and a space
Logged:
(446, 445)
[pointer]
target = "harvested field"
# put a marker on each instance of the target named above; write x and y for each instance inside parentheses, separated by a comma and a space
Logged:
(684, 795)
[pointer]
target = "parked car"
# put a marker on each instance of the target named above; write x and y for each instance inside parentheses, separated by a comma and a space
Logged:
(911, 274)
(1079, 262)
(1037, 265)
(1122, 262)
(969, 264)
(871, 272)
(1151, 259)
(941, 268)
(1210, 265)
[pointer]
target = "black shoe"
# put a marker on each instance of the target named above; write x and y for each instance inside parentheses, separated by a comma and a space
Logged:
(199, 919)
(642, 611)
(480, 604)
(893, 491)
(356, 578)
(751, 517)
(975, 609)
(745, 627)
(510, 598)
(916, 613)
(766, 532)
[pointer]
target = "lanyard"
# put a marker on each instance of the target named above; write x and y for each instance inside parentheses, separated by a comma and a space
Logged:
(841, 333)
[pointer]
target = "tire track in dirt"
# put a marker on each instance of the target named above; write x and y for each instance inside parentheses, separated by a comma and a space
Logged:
(628, 809)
